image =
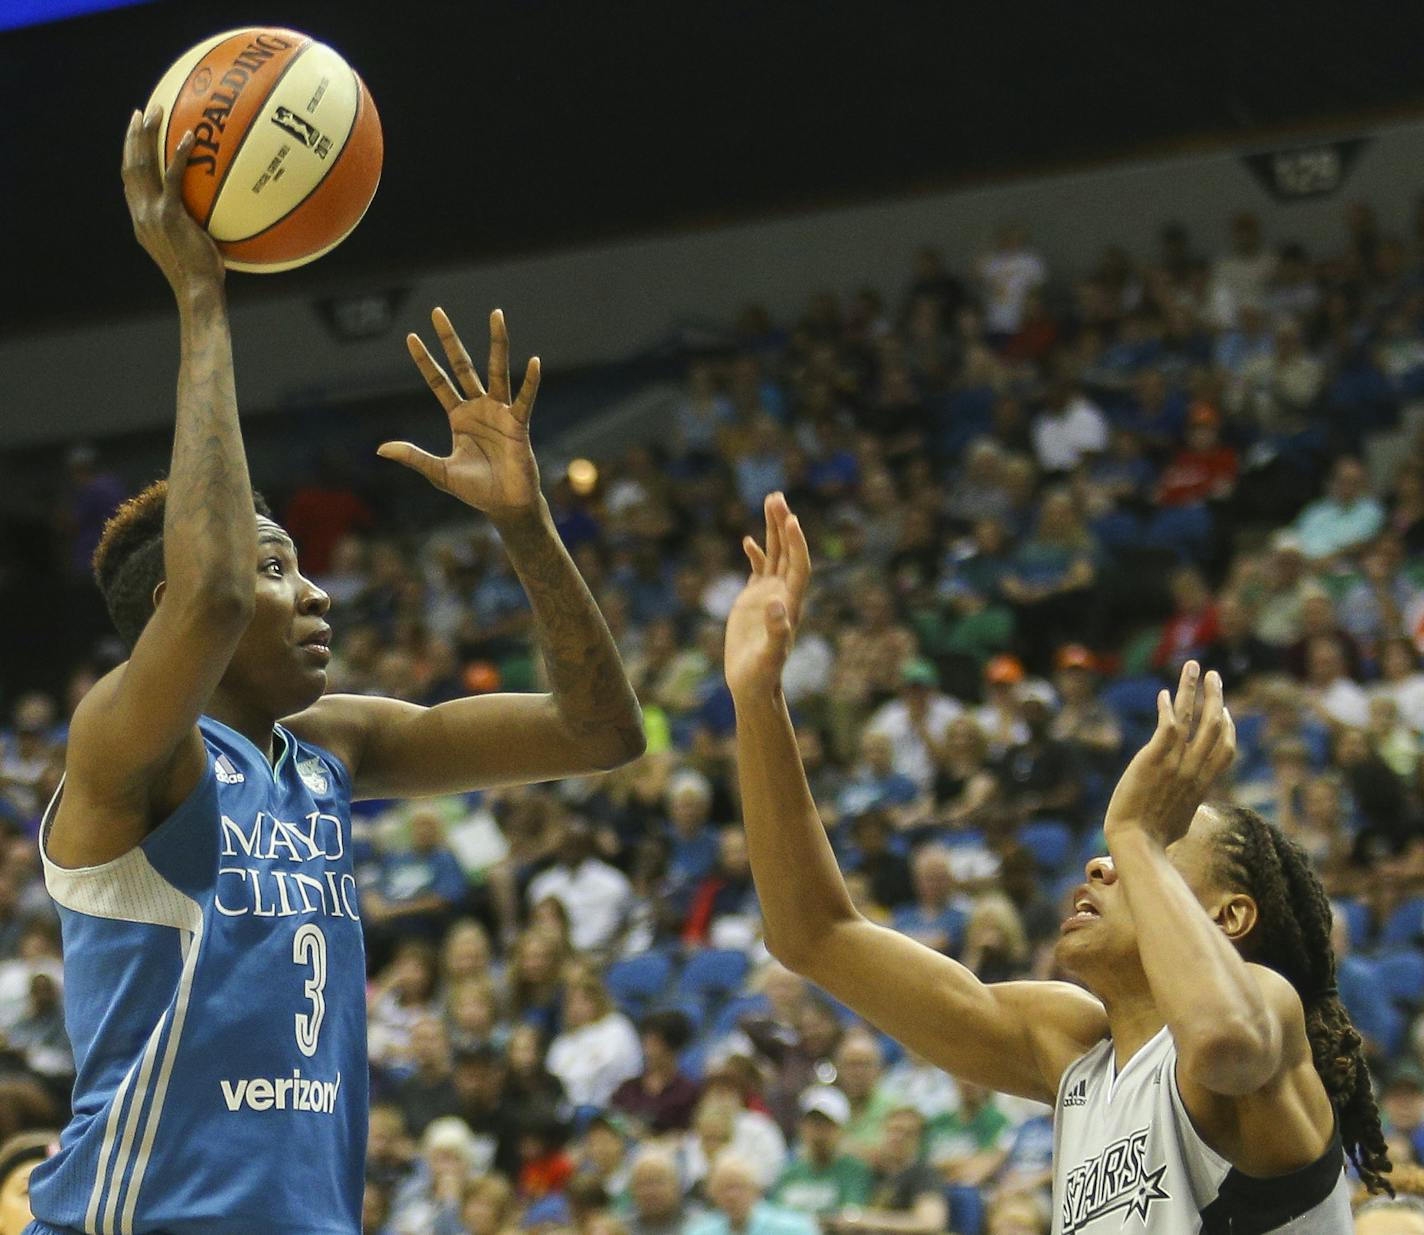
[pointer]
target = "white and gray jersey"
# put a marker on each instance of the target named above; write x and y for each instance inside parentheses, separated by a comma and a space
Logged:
(1127, 1160)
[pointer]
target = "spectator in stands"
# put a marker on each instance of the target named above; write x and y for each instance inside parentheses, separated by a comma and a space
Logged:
(535, 980)
(965, 785)
(859, 1065)
(486, 1208)
(916, 721)
(735, 1191)
(995, 943)
(1008, 272)
(934, 918)
(1402, 1106)
(1086, 724)
(692, 840)
(420, 888)
(1053, 575)
(1345, 518)
(661, 1098)
(598, 1049)
(1237, 654)
(1242, 277)
(389, 1151)
(1401, 680)
(478, 1081)
(658, 1206)
(907, 1197)
(1282, 593)
(1203, 469)
(427, 1092)
(822, 1180)
(437, 1183)
(1193, 626)
(404, 993)
(1029, 1165)
(1017, 1213)
(724, 911)
(28, 755)
(596, 895)
(602, 1165)
(1318, 621)
(1038, 776)
(876, 783)
(1335, 697)
(529, 1083)
(870, 651)
(1069, 429)
(968, 1146)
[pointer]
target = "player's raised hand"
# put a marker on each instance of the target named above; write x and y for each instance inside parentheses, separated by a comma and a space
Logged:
(171, 236)
(491, 463)
(1193, 745)
(763, 620)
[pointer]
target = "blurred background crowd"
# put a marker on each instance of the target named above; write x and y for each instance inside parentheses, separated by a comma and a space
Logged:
(1030, 494)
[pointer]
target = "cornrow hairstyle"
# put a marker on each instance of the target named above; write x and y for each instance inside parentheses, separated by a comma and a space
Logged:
(1292, 936)
(128, 562)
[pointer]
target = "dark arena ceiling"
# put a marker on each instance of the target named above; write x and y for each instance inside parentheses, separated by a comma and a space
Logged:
(519, 125)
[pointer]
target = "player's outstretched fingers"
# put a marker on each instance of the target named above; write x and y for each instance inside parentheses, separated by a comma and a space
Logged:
(460, 362)
(435, 377)
(754, 555)
(773, 534)
(1184, 703)
(499, 357)
(1204, 748)
(411, 456)
(177, 166)
(798, 566)
(528, 391)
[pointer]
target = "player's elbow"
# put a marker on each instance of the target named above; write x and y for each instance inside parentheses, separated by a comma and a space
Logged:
(624, 744)
(806, 946)
(1231, 1057)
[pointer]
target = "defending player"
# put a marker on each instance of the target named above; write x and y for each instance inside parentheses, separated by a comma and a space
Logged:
(198, 850)
(1208, 1081)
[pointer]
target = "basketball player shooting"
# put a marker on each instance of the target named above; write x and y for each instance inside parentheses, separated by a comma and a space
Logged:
(199, 847)
(1205, 1078)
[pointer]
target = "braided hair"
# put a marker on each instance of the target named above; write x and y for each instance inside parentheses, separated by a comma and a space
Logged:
(1292, 936)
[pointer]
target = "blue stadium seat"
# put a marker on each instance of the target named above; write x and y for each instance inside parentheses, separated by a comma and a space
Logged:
(1405, 925)
(1357, 921)
(1117, 529)
(1132, 699)
(713, 973)
(638, 980)
(730, 1014)
(1049, 840)
(1402, 975)
(1184, 530)
(966, 1209)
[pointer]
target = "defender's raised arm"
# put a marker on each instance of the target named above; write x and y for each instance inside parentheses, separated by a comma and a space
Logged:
(1015, 1037)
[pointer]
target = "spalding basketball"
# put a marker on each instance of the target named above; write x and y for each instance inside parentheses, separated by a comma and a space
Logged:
(287, 144)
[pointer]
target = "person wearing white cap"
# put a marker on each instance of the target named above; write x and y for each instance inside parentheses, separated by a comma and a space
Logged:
(822, 1180)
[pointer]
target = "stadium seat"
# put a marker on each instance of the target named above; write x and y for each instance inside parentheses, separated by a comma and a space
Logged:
(1133, 699)
(1357, 921)
(1402, 976)
(1184, 530)
(966, 1209)
(713, 973)
(730, 1014)
(638, 980)
(1049, 840)
(1405, 925)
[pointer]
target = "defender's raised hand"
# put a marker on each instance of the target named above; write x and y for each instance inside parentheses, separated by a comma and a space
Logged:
(763, 620)
(491, 463)
(171, 236)
(1194, 743)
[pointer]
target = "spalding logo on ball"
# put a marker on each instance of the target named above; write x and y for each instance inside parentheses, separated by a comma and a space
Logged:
(287, 145)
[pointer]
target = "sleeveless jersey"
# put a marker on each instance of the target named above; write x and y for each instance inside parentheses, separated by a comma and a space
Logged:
(1127, 1160)
(215, 998)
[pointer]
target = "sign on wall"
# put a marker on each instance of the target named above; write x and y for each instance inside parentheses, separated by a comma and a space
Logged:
(1299, 172)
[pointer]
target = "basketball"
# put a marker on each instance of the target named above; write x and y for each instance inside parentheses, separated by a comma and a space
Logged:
(287, 144)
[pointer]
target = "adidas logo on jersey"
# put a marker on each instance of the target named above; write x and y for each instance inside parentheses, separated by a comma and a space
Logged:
(1078, 1095)
(313, 774)
(227, 771)
(282, 1093)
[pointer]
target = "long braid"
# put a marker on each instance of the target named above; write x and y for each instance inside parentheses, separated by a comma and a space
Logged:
(1292, 936)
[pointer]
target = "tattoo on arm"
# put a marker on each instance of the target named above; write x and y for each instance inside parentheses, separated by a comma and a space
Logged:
(590, 688)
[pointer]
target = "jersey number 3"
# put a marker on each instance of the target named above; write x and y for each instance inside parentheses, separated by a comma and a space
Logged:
(309, 948)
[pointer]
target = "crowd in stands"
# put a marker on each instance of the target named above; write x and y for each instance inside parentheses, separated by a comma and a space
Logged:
(1030, 495)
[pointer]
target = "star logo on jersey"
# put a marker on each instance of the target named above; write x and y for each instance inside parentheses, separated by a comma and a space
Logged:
(1149, 1190)
(1114, 1180)
(226, 771)
(313, 774)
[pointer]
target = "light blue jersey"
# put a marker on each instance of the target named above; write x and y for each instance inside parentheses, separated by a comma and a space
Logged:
(214, 991)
